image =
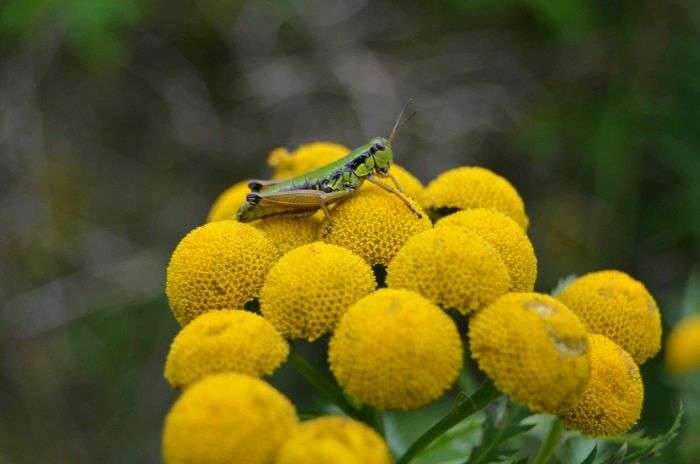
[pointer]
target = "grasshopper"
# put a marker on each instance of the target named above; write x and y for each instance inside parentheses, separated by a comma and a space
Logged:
(307, 193)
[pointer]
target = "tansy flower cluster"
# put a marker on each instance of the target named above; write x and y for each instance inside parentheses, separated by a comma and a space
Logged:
(396, 298)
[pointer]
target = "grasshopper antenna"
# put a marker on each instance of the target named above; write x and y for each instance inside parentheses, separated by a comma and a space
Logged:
(406, 114)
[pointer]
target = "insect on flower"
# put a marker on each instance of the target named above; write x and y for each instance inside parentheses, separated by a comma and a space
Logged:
(304, 194)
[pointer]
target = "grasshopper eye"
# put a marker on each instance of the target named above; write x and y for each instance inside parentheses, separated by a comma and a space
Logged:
(378, 146)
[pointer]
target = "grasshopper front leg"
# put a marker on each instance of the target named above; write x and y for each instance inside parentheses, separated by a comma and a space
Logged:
(304, 200)
(393, 179)
(399, 194)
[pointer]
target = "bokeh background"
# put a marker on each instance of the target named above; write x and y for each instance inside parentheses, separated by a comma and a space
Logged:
(122, 120)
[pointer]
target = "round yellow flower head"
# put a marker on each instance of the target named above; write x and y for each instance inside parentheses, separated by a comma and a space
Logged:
(612, 401)
(220, 265)
(227, 418)
(613, 304)
(374, 224)
(534, 348)
(288, 232)
(337, 440)
(310, 287)
(452, 267)
(410, 185)
(227, 204)
(683, 346)
(304, 159)
(506, 236)
(394, 349)
(473, 187)
(224, 341)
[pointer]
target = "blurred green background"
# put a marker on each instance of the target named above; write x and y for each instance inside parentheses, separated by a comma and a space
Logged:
(121, 121)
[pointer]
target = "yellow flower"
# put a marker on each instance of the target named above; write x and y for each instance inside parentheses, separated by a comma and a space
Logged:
(410, 185)
(473, 187)
(288, 232)
(220, 265)
(304, 159)
(394, 349)
(374, 224)
(506, 237)
(226, 206)
(534, 348)
(451, 267)
(612, 401)
(613, 304)
(224, 341)
(310, 287)
(227, 418)
(683, 346)
(336, 440)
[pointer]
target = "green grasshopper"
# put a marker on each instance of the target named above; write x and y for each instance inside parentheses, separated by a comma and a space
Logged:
(307, 193)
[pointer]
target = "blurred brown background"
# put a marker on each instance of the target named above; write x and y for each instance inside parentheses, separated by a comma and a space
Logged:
(121, 121)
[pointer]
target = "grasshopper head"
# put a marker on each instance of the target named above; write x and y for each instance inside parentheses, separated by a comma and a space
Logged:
(380, 148)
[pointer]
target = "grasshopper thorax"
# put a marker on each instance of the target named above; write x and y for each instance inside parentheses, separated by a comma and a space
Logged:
(373, 158)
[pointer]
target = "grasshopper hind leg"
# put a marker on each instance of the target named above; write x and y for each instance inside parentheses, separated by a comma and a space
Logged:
(299, 202)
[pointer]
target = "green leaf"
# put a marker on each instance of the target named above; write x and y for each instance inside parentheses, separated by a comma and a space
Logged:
(658, 443)
(619, 456)
(496, 435)
(483, 396)
(635, 447)
(591, 457)
(454, 444)
(403, 427)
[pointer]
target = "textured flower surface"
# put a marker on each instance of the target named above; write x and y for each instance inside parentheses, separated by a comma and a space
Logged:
(227, 418)
(452, 267)
(336, 440)
(227, 204)
(288, 232)
(220, 265)
(374, 224)
(394, 349)
(506, 236)
(534, 348)
(613, 304)
(683, 346)
(309, 288)
(612, 401)
(473, 187)
(304, 159)
(224, 341)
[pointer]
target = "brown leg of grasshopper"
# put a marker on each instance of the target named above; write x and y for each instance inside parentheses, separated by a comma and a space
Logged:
(401, 196)
(329, 226)
(305, 200)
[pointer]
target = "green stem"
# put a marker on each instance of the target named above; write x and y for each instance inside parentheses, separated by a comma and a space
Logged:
(317, 380)
(483, 452)
(486, 393)
(334, 394)
(375, 418)
(544, 454)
